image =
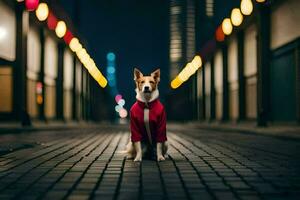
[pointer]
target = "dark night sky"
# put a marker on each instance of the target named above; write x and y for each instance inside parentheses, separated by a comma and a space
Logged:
(136, 31)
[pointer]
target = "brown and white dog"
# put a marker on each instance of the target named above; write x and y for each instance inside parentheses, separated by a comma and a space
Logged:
(147, 118)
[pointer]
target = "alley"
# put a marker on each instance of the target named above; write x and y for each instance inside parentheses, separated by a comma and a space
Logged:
(87, 163)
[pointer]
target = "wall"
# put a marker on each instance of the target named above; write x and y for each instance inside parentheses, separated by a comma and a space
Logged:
(33, 68)
(218, 83)
(207, 69)
(250, 71)
(285, 23)
(233, 78)
(50, 77)
(7, 53)
(7, 32)
(68, 83)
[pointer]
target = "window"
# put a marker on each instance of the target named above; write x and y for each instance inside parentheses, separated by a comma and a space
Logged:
(209, 8)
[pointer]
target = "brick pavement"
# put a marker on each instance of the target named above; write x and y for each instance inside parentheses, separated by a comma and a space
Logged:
(87, 164)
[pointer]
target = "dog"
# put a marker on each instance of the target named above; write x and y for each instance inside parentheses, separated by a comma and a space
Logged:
(147, 119)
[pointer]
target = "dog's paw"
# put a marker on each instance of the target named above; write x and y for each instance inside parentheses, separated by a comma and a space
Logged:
(160, 158)
(138, 159)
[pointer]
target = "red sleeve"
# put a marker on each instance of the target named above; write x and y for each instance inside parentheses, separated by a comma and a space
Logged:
(135, 133)
(161, 127)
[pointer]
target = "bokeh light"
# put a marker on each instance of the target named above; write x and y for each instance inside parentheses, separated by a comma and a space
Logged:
(74, 45)
(51, 21)
(220, 36)
(31, 4)
(111, 56)
(246, 7)
(236, 17)
(121, 102)
(61, 29)
(42, 12)
(118, 108)
(227, 26)
(118, 98)
(123, 113)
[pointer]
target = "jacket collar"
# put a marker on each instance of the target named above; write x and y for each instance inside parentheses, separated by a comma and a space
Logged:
(142, 101)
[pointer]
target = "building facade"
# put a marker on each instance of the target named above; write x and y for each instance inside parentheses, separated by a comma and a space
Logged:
(254, 74)
(40, 77)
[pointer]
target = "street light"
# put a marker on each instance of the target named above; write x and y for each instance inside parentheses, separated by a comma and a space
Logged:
(246, 7)
(74, 45)
(42, 12)
(227, 26)
(31, 4)
(220, 37)
(61, 29)
(236, 17)
(176, 83)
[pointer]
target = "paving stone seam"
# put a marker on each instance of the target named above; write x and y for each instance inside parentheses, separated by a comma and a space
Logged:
(36, 166)
(106, 143)
(92, 195)
(198, 173)
(245, 181)
(258, 173)
(88, 143)
(121, 174)
(180, 177)
(41, 155)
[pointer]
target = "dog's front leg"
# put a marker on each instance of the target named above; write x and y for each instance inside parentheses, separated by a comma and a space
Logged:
(138, 149)
(159, 149)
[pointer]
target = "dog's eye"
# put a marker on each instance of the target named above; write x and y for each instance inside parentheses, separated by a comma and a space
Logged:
(152, 82)
(142, 82)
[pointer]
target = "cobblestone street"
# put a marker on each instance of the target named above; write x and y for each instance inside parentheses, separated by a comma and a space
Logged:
(86, 163)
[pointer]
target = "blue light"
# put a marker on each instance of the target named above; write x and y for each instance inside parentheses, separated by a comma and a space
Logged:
(112, 83)
(121, 102)
(111, 70)
(111, 56)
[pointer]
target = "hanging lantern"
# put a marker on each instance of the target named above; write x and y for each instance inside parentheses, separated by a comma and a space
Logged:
(236, 17)
(220, 36)
(227, 26)
(246, 7)
(42, 12)
(68, 37)
(176, 83)
(31, 4)
(51, 21)
(74, 45)
(61, 29)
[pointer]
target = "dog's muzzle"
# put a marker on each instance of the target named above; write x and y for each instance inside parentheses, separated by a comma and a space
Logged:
(147, 89)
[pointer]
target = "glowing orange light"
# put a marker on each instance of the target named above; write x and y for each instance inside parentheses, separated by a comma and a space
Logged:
(220, 36)
(39, 99)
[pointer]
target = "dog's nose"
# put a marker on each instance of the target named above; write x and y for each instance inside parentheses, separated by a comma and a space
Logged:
(146, 88)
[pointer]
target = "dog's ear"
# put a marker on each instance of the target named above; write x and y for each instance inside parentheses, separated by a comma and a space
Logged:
(156, 75)
(137, 74)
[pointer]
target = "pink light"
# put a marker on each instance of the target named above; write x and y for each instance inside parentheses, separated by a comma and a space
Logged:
(123, 113)
(118, 98)
(31, 4)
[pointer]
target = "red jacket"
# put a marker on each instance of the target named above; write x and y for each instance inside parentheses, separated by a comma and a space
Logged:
(157, 121)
